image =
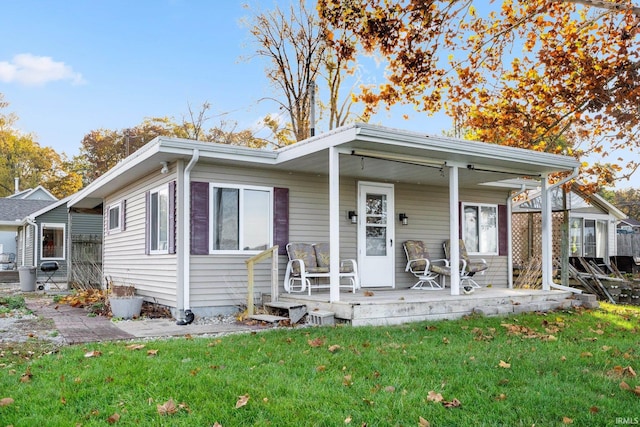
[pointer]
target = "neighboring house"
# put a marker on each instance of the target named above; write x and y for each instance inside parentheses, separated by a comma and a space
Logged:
(591, 222)
(8, 237)
(51, 234)
(628, 226)
(181, 217)
(12, 212)
(38, 193)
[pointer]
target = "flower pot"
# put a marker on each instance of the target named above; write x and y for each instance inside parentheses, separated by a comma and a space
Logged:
(126, 307)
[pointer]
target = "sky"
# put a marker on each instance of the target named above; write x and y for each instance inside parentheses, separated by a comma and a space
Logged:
(73, 66)
(70, 67)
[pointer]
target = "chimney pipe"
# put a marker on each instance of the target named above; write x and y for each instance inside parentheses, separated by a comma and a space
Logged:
(16, 185)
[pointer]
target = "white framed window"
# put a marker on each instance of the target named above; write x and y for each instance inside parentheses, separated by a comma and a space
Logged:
(241, 218)
(588, 237)
(114, 217)
(480, 228)
(158, 217)
(52, 241)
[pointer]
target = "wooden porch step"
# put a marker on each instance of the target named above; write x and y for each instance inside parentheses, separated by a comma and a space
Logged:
(296, 311)
(268, 318)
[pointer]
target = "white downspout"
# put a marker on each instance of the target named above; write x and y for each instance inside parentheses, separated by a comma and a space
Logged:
(510, 236)
(183, 291)
(547, 232)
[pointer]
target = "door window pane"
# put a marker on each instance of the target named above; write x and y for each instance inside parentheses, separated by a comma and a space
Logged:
(376, 220)
(159, 227)
(575, 236)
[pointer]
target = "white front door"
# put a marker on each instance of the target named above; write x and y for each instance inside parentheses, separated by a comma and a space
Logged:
(376, 260)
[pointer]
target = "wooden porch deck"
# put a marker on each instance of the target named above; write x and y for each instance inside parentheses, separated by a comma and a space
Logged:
(392, 307)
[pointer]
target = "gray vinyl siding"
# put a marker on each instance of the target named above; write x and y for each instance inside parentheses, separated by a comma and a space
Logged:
(124, 258)
(221, 280)
(82, 223)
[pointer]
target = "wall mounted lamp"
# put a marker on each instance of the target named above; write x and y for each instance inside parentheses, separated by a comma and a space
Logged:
(404, 219)
(165, 167)
(353, 217)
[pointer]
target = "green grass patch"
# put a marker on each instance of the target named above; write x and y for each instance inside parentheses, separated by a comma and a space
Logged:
(10, 303)
(543, 369)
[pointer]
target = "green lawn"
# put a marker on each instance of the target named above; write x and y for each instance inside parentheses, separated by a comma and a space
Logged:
(536, 369)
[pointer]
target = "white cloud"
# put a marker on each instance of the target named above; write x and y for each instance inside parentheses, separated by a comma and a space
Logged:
(31, 70)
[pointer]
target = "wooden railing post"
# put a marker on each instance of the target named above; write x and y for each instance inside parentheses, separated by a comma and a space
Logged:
(273, 253)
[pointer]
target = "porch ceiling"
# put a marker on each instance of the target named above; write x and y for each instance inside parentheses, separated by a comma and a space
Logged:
(400, 171)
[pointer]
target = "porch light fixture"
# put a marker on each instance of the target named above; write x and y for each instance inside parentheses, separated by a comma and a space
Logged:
(404, 219)
(165, 167)
(353, 217)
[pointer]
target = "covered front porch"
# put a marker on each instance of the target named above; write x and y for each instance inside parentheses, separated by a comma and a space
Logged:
(397, 306)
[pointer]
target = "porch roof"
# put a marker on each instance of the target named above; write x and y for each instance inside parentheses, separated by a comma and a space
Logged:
(368, 151)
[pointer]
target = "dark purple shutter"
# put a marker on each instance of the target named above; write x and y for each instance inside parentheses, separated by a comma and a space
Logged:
(503, 232)
(123, 215)
(460, 220)
(281, 219)
(199, 218)
(172, 217)
(147, 223)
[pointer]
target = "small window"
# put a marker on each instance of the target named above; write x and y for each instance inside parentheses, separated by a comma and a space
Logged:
(114, 218)
(159, 221)
(241, 218)
(52, 241)
(480, 228)
(588, 237)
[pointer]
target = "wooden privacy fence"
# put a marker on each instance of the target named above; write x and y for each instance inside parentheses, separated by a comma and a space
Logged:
(86, 261)
(629, 245)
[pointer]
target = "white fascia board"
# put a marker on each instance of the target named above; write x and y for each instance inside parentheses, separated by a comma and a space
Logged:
(210, 150)
(321, 142)
(134, 159)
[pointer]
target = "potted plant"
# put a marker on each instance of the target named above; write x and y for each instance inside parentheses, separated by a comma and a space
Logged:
(124, 303)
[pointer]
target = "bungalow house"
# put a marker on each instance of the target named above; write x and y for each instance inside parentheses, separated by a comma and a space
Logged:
(181, 217)
(51, 234)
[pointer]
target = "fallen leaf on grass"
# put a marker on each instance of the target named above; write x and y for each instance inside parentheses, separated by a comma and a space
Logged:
(445, 340)
(26, 377)
(424, 423)
(432, 396)
(321, 368)
(346, 381)
(455, 403)
(6, 401)
(152, 353)
(135, 347)
(113, 418)
(501, 396)
(168, 408)
(567, 420)
(334, 348)
(625, 386)
(93, 353)
(242, 400)
(594, 410)
(347, 420)
(586, 354)
(504, 364)
(389, 389)
(316, 342)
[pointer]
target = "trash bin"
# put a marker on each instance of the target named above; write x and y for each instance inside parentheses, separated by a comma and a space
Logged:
(27, 278)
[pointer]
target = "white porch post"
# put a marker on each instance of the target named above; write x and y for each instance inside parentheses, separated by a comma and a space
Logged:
(509, 243)
(454, 245)
(547, 250)
(334, 224)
